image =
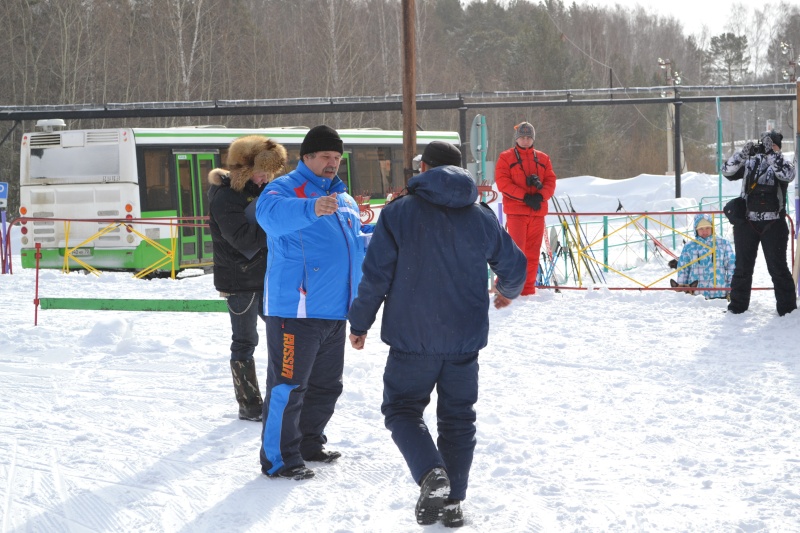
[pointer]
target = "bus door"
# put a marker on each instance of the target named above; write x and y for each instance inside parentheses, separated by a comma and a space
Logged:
(344, 172)
(194, 237)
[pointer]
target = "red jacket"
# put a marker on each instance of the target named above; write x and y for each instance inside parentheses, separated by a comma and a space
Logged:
(510, 179)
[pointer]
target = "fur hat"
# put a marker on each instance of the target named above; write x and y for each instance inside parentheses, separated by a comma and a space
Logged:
(321, 139)
(439, 153)
(524, 129)
(251, 153)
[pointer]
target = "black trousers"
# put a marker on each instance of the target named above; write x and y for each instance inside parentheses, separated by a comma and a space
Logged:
(304, 380)
(774, 238)
(407, 387)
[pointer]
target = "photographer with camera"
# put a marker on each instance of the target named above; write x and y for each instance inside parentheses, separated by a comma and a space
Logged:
(526, 179)
(758, 216)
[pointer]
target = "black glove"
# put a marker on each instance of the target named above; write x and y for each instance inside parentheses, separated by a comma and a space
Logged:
(534, 201)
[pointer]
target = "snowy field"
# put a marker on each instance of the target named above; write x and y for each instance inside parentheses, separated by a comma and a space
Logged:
(600, 411)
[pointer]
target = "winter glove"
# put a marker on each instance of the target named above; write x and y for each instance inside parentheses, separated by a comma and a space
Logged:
(749, 149)
(534, 201)
(774, 159)
(767, 142)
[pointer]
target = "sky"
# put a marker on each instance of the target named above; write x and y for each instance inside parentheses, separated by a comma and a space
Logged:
(692, 14)
(599, 411)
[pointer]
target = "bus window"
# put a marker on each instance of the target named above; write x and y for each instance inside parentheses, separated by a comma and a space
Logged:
(372, 165)
(292, 158)
(158, 194)
(398, 177)
(83, 164)
(344, 170)
(205, 166)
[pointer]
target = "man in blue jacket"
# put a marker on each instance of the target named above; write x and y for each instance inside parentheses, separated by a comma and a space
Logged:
(314, 236)
(426, 264)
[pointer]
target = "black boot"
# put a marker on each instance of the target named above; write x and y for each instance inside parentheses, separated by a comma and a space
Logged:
(434, 488)
(452, 515)
(245, 385)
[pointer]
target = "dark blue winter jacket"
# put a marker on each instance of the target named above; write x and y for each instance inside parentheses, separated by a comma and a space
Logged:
(427, 263)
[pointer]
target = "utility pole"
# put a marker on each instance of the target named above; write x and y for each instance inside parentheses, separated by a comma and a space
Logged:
(409, 88)
(670, 80)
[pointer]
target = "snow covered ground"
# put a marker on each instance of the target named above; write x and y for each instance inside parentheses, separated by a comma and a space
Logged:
(599, 411)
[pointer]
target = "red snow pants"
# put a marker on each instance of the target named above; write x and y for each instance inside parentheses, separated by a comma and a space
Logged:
(527, 231)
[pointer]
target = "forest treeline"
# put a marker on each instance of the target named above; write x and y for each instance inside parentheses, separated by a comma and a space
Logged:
(100, 51)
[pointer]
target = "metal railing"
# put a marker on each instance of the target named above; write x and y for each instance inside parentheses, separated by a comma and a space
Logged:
(591, 245)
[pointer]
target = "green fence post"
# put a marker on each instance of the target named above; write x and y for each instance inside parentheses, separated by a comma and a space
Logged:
(672, 225)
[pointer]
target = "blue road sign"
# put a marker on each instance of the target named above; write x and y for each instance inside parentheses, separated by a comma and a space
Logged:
(3, 193)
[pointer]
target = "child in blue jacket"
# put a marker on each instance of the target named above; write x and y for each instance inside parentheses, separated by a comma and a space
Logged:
(708, 259)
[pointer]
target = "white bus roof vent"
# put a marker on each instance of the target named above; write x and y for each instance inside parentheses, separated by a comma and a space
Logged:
(50, 124)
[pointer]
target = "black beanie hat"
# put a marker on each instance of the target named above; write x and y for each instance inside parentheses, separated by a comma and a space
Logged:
(321, 139)
(439, 153)
(776, 137)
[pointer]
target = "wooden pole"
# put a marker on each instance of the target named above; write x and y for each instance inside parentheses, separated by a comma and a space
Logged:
(409, 88)
(796, 263)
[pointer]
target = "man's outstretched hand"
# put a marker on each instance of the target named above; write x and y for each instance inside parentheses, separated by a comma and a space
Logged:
(326, 205)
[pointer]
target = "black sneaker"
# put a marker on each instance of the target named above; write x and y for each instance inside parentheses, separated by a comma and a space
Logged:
(323, 456)
(435, 487)
(452, 515)
(295, 473)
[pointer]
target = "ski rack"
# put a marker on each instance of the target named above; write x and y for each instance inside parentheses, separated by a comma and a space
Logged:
(576, 251)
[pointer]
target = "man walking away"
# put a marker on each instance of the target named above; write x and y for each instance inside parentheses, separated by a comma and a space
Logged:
(427, 266)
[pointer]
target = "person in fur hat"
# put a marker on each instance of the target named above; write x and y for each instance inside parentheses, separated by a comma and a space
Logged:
(240, 254)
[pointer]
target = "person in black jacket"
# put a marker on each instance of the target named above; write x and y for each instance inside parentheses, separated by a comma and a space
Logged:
(766, 176)
(240, 252)
(427, 264)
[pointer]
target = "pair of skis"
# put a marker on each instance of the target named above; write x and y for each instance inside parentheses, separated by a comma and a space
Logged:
(657, 244)
(549, 258)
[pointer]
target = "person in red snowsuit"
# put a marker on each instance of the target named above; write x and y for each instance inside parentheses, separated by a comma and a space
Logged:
(526, 179)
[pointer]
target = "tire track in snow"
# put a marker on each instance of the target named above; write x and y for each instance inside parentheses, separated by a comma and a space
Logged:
(12, 468)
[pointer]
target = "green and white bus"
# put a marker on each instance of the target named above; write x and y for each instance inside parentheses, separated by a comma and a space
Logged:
(75, 183)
